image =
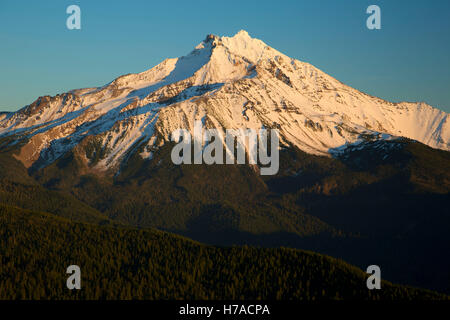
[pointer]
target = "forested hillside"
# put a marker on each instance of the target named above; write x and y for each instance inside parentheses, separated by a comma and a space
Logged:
(126, 263)
(384, 203)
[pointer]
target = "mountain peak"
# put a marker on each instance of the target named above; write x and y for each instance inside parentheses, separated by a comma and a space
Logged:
(243, 45)
(234, 82)
(210, 38)
(242, 34)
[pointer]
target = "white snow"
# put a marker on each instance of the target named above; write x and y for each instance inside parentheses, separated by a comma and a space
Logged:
(231, 82)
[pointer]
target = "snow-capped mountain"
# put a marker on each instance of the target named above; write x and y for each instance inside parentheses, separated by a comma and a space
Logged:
(228, 83)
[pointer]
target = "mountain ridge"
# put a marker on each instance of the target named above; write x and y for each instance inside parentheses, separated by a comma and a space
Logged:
(142, 259)
(230, 82)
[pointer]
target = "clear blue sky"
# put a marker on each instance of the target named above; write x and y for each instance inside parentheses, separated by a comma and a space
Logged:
(408, 59)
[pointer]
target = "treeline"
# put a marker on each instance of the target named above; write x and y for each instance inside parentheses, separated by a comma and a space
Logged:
(125, 263)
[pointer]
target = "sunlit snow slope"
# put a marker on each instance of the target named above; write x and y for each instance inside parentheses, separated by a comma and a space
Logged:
(229, 83)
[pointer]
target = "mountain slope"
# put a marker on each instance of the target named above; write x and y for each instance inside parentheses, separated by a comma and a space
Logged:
(229, 83)
(382, 201)
(348, 186)
(122, 263)
(19, 189)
